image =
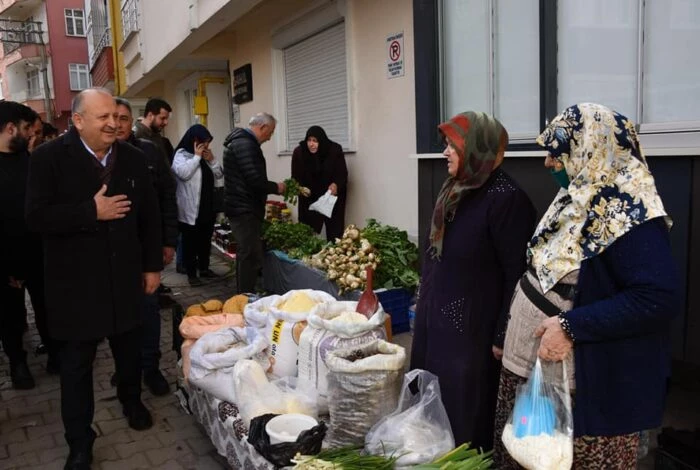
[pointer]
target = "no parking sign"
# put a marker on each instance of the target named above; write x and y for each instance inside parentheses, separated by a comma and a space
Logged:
(394, 55)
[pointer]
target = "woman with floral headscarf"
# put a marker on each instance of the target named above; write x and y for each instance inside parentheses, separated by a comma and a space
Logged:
(600, 291)
(480, 226)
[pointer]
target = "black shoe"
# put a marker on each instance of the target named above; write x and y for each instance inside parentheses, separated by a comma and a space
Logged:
(138, 416)
(163, 290)
(79, 460)
(156, 383)
(180, 269)
(52, 365)
(194, 281)
(113, 381)
(21, 376)
(40, 349)
(208, 274)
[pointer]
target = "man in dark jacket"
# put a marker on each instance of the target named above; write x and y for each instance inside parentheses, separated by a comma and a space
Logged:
(92, 199)
(20, 250)
(246, 189)
(155, 120)
(164, 184)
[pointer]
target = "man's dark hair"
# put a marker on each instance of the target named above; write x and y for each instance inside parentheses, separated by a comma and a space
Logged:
(13, 112)
(124, 102)
(154, 105)
(47, 130)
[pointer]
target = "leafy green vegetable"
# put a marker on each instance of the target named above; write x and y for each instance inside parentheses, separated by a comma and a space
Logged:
(346, 458)
(293, 190)
(399, 256)
(461, 458)
(297, 240)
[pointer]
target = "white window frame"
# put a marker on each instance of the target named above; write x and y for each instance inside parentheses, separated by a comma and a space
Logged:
(130, 18)
(70, 16)
(305, 24)
(33, 77)
(78, 69)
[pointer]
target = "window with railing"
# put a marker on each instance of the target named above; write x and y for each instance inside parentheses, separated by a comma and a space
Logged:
(130, 17)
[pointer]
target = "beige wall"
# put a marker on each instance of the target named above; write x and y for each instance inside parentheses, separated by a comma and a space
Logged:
(383, 180)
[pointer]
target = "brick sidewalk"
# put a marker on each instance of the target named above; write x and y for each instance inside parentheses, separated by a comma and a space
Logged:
(31, 432)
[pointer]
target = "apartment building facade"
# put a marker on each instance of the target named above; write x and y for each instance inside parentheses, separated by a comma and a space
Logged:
(51, 36)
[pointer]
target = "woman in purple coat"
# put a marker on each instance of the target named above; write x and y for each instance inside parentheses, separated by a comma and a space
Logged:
(481, 224)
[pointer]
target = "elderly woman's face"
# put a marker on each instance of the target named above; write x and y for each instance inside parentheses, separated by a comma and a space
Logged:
(312, 144)
(452, 159)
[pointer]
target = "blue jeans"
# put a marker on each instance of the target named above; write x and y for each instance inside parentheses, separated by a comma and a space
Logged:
(150, 343)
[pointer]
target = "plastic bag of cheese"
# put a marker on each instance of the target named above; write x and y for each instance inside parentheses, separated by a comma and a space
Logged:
(283, 319)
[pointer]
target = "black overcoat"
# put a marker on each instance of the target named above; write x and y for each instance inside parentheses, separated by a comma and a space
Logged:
(93, 269)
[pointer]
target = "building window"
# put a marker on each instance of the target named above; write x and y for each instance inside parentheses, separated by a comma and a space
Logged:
(483, 46)
(79, 76)
(33, 83)
(315, 76)
(75, 22)
(634, 56)
(130, 17)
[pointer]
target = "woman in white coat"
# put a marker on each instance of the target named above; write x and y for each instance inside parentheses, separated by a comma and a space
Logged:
(196, 170)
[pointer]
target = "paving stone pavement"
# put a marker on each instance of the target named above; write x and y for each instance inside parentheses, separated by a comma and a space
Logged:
(31, 431)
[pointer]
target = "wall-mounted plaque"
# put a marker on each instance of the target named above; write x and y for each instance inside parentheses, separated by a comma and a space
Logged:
(243, 84)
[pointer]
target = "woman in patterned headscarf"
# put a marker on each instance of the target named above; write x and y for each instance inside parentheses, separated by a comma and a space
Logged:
(480, 227)
(601, 289)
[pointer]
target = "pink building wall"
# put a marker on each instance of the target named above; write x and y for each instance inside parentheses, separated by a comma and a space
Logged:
(64, 50)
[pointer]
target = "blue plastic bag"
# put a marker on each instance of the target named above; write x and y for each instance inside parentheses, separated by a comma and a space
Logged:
(539, 434)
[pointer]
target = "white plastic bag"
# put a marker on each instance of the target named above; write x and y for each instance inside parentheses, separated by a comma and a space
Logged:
(257, 396)
(215, 354)
(419, 430)
(326, 334)
(325, 204)
(257, 313)
(540, 434)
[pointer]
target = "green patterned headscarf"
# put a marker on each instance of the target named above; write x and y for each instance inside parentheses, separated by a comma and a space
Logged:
(480, 141)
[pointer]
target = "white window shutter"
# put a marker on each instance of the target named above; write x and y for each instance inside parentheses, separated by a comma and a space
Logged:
(316, 86)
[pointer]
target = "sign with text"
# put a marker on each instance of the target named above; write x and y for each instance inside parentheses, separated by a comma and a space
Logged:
(243, 84)
(394, 55)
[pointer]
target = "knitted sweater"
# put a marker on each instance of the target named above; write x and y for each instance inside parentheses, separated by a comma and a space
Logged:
(625, 302)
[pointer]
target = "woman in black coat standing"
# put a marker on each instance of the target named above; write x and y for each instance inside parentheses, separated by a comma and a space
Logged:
(318, 163)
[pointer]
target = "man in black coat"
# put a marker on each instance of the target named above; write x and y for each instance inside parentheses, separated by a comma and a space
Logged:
(92, 199)
(246, 189)
(20, 250)
(164, 184)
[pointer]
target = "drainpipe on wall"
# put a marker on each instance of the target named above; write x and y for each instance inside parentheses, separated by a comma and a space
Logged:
(45, 75)
(115, 20)
(201, 104)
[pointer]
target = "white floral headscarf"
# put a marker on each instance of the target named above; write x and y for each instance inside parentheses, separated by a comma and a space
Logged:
(611, 190)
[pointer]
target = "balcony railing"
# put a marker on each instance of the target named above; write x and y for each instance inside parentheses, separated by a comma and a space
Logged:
(104, 41)
(14, 34)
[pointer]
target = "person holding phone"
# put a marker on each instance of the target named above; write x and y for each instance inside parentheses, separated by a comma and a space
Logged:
(196, 170)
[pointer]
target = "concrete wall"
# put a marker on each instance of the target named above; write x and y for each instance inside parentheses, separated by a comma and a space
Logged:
(383, 180)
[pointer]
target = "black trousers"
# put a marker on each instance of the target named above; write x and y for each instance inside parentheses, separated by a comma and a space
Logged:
(247, 231)
(77, 397)
(196, 244)
(35, 287)
(12, 319)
